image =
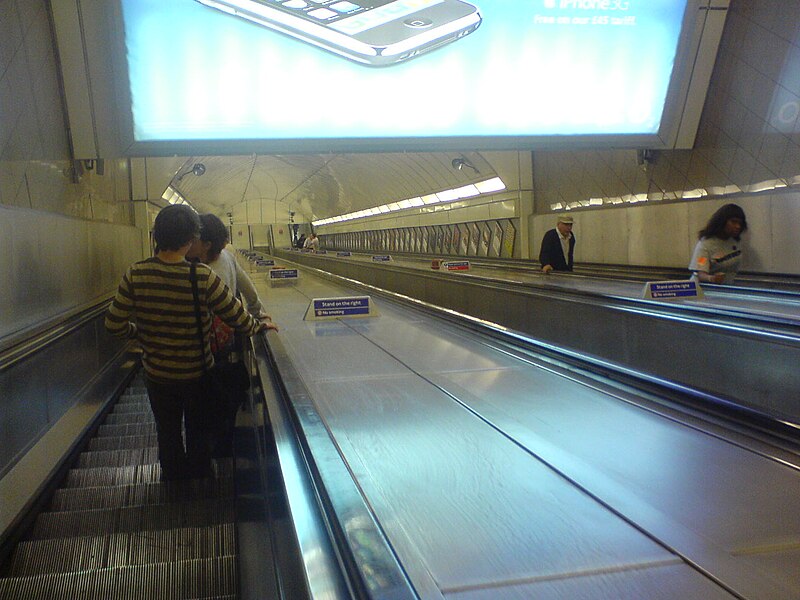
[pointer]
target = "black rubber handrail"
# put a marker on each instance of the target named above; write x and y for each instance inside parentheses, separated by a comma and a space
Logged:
(21, 345)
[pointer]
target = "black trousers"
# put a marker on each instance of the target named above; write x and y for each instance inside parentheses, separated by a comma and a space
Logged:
(178, 406)
(232, 396)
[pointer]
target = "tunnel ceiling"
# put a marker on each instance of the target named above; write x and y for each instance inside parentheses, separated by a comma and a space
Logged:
(314, 186)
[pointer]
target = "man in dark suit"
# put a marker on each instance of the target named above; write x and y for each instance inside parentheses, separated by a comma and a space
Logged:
(558, 246)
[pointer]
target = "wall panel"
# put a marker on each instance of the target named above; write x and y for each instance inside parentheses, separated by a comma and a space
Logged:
(665, 235)
(55, 264)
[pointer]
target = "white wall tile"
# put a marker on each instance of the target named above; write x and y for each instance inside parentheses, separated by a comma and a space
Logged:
(785, 229)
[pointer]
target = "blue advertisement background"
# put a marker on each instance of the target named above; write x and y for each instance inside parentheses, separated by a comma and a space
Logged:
(534, 67)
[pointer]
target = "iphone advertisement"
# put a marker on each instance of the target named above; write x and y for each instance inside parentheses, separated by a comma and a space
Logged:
(377, 69)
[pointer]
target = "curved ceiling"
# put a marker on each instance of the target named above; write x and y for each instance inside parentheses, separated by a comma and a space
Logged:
(311, 185)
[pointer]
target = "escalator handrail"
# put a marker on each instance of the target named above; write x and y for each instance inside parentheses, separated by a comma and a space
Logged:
(729, 407)
(18, 347)
(778, 328)
(349, 522)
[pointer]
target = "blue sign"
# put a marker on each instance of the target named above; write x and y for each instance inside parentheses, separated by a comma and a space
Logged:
(265, 263)
(381, 258)
(283, 274)
(341, 307)
(673, 289)
(344, 254)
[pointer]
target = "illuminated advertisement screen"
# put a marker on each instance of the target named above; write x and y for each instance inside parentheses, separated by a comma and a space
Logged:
(339, 70)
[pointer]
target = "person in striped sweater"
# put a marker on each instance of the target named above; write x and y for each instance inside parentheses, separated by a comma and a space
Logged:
(154, 304)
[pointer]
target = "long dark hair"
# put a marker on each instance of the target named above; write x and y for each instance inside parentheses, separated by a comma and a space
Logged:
(716, 224)
(213, 230)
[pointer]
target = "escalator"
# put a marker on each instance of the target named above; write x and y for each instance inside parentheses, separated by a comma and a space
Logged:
(114, 530)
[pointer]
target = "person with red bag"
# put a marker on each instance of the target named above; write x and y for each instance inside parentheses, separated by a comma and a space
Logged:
(210, 248)
(160, 302)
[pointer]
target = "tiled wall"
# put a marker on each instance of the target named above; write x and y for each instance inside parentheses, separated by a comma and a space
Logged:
(35, 170)
(749, 135)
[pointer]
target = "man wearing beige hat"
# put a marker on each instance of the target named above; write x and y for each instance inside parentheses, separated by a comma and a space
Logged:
(558, 246)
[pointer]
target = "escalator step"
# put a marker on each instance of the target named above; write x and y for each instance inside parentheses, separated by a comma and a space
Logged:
(197, 513)
(127, 442)
(126, 430)
(63, 555)
(87, 498)
(129, 418)
(131, 407)
(118, 458)
(183, 580)
(99, 476)
(134, 399)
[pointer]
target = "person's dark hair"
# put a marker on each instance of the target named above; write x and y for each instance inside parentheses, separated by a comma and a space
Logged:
(716, 224)
(213, 230)
(175, 226)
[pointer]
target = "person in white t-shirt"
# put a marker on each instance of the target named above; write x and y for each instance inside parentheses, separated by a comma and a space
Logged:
(718, 252)
(211, 249)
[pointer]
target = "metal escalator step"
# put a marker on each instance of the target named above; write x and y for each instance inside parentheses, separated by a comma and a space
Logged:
(137, 399)
(118, 458)
(125, 430)
(126, 407)
(196, 513)
(130, 474)
(184, 580)
(129, 418)
(99, 476)
(146, 547)
(87, 498)
(126, 442)
(62, 555)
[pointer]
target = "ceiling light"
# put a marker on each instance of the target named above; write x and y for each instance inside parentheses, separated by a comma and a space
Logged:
(467, 191)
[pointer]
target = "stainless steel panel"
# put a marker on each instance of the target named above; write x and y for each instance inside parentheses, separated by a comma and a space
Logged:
(633, 334)
(464, 503)
(713, 501)
(668, 582)
(456, 495)
(425, 347)
(23, 409)
(42, 280)
(332, 350)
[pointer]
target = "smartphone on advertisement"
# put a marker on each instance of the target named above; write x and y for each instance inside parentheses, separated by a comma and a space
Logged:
(370, 32)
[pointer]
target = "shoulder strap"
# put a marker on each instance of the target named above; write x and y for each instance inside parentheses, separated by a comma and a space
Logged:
(196, 297)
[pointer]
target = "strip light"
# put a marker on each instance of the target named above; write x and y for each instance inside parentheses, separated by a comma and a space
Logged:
(488, 186)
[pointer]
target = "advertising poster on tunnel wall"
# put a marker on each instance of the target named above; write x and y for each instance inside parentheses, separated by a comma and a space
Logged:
(426, 232)
(486, 235)
(448, 239)
(497, 239)
(456, 239)
(508, 239)
(311, 70)
(474, 238)
(464, 240)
